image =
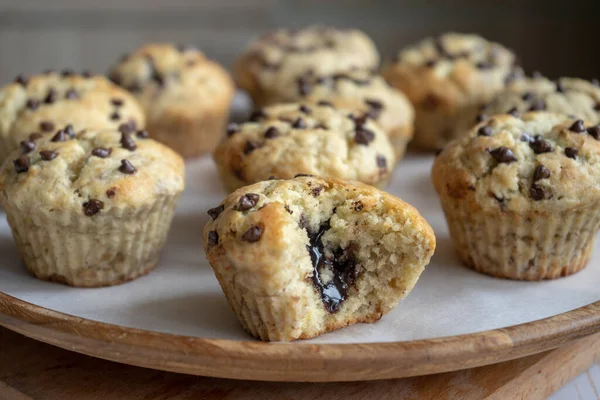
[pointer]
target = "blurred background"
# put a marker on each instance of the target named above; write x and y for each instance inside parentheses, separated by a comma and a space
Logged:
(555, 37)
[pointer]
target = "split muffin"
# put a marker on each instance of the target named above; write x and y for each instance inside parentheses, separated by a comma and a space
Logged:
(186, 96)
(522, 195)
(297, 258)
(91, 208)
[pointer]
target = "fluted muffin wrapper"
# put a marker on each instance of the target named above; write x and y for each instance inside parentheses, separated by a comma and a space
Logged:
(527, 246)
(118, 247)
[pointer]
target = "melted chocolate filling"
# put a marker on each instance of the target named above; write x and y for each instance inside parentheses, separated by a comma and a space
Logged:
(340, 264)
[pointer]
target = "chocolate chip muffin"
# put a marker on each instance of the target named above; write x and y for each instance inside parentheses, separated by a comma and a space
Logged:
(574, 97)
(297, 258)
(186, 96)
(285, 140)
(361, 92)
(448, 79)
(522, 195)
(91, 208)
(281, 59)
(42, 104)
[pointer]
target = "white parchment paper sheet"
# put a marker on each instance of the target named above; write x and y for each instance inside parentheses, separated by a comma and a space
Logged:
(182, 295)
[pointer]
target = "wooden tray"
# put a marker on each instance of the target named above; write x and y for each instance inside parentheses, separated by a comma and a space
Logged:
(254, 360)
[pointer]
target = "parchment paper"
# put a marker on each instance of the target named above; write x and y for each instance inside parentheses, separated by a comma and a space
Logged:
(182, 295)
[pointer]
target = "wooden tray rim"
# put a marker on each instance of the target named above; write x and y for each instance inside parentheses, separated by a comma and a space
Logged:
(311, 362)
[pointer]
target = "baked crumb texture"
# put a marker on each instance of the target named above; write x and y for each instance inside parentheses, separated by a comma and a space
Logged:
(91, 208)
(521, 194)
(186, 96)
(297, 258)
(449, 79)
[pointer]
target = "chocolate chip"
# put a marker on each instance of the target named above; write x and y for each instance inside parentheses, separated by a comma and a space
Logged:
(35, 136)
(60, 136)
(528, 96)
(71, 94)
(316, 191)
(430, 63)
(484, 65)
(481, 117)
(247, 201)
(232, 129)
(540, 173)
(571, 152)
(101, 152)
(299, 123)
(288, 209)
(27, 146)
(250, 146)
(381, 162)
(115, 116)
(305, 109)
(127, 142)
(21, 164)
(514, 112)
(111, 193)
(50, 97)
(33, 104)
(253, 234)
(594, 131)
(358, 206)
(216, 211)
(116, 102)
(374, 104)
(304, 86)
(538, 105)
(21, 80)
(48, 155)
(257, 115)
(363, 136)
(577, 127)
(127, 168)
(67, 72)
(126, 129)
(526, 138)
(540, 145)
(360, 121)
(597, 107)
(537, 192)
(212, 239)
(92, 207)
(142, 134)
(272, 132)
(503, 155)
(325, 103)
(69, 131)
(484, 131)
(134, 87)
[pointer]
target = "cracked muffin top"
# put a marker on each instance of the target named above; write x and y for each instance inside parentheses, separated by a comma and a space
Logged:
(282, 57)
(43, 103)
(285, 140)
(574, 97)
(94, 172)
(539, 161)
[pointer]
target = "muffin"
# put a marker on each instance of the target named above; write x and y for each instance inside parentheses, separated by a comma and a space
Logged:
(297, 258)
(41, 104)
(285, 140)
(91, 208)
(186, 96)
(574, 97)
(448, 79)
(522, 195)
(280, 59)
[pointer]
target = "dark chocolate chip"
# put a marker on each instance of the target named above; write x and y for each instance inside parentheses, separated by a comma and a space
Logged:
(528, 96)
(363, 136)
(597, 107)
(116, 102)
(272, 132)
(101, 152)
(115, 116)
(33, 104)
(594, 131)
(127, 142)
(299, 123)
(92, 207)
(481, 117)
(127, 167)
(358, 206)
(514, 112)
(325, 103)
(111, 193)
(48, 155)
(216, 211)
(538, 105)
(142, 134)
(250, 146)
(288, 209)
(67, 72)
(484, 65)
(571, 152)
(374, 104)
(484, 131)
(381, 161)
(503, 155)
(430, 63)
(232, 129)
(577, 127)
(527, 138)
(60, 136)
(21, 164)
(135, 87)
(27, 146)
(540, 145)
(257, 115)
(126, 129)
(316, 191)
(305, 109)
(540, 172)
(212, 239)
(253, 234)
(247, 201)
(304, 86)
(21, 80)
(50, 97)
(69, 131)
(35, 136)
(71, 94)
(537, 192)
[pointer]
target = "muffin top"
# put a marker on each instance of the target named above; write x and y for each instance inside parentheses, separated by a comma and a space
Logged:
(284, 56)
(571, 96)
(540, 161)
(164, 77)
(290, 139)
(95, 173)
(41, 104)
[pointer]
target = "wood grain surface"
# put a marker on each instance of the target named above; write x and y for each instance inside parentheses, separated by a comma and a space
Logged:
(34, 370)
(254, 360)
